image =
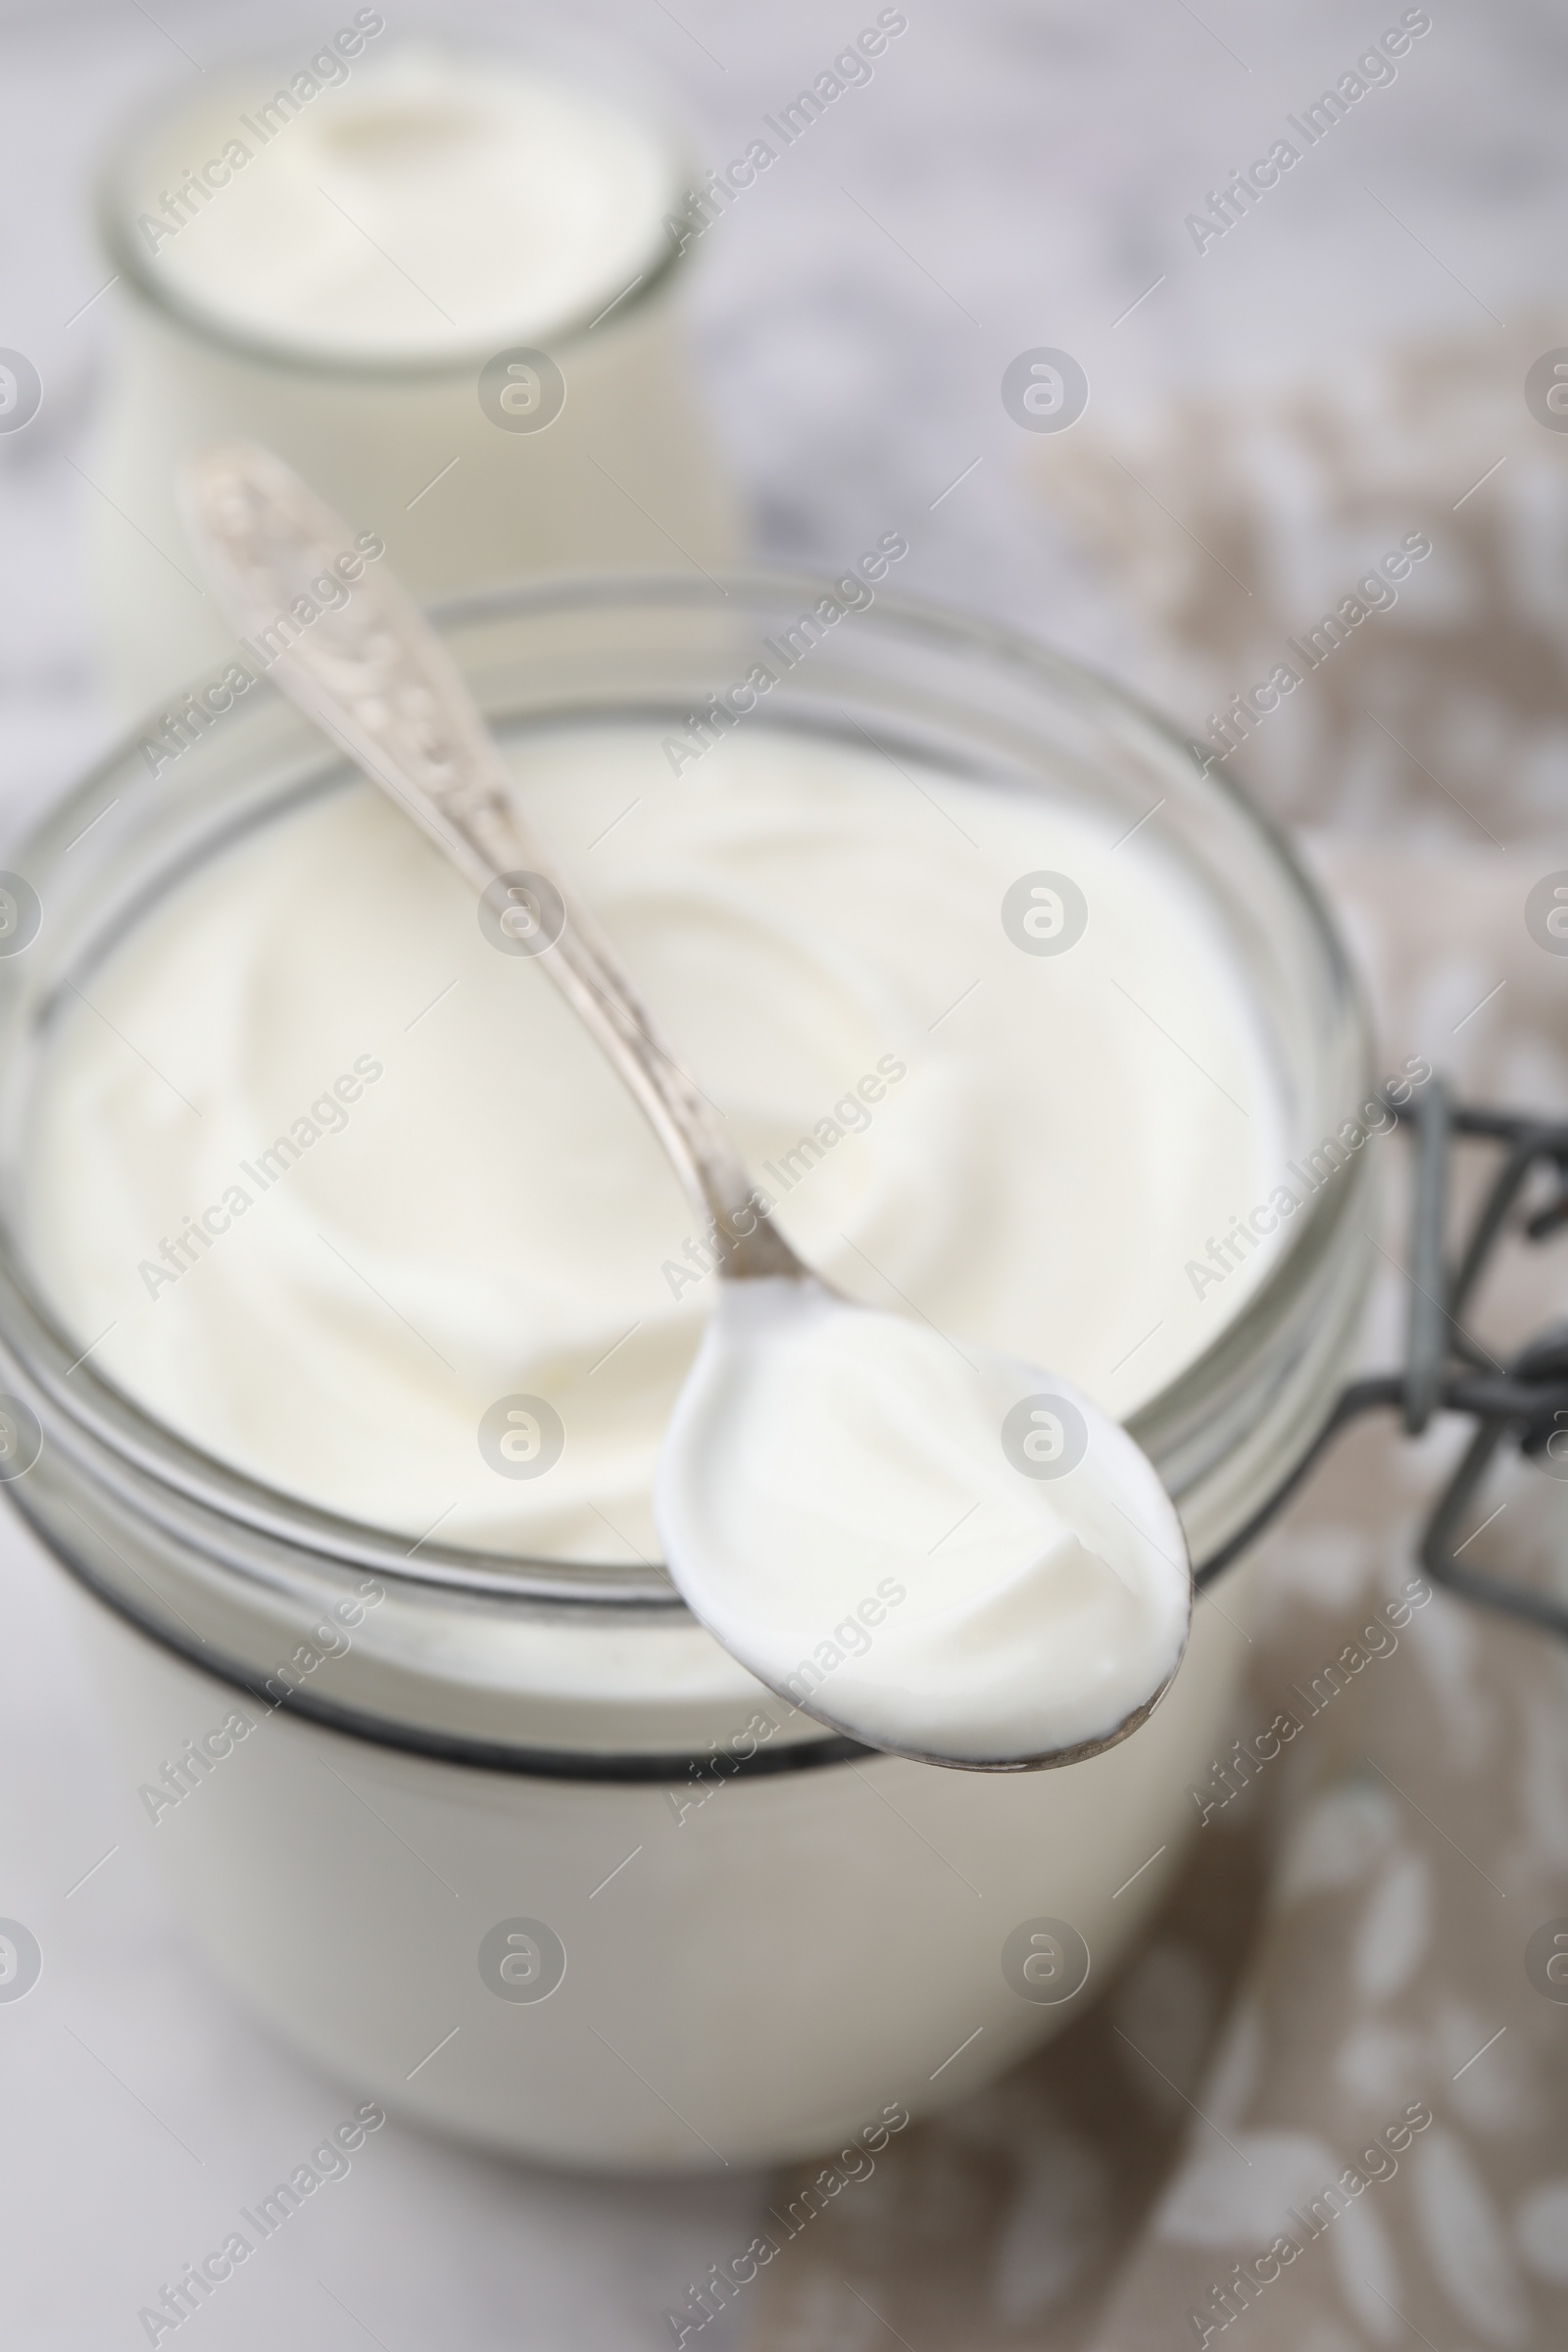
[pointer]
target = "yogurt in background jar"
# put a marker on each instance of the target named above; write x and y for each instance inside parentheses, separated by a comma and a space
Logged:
(442, 287)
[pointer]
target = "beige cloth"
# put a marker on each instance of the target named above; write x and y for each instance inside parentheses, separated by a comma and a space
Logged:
(1347, 1947)
(1235, 527)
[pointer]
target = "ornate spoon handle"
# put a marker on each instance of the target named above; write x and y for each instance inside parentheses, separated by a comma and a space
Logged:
(374, 677)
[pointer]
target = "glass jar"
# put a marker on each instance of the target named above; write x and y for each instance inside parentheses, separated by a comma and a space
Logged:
(588, 451)
(511, 1842)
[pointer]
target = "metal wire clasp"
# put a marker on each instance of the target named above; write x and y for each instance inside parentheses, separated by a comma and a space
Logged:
(1524, 1398)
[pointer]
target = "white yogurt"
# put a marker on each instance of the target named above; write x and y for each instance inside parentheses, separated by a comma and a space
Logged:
(414, 205)
(440, 286)
(331, 1183)
(829, 949)
(932, 1548)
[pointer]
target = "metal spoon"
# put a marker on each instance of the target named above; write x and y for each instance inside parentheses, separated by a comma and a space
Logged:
(371, 672)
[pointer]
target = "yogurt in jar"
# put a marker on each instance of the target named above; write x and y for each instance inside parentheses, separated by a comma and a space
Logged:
(342, 1193)
(993, 1043)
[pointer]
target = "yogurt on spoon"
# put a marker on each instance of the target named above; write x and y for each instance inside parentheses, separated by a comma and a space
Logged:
(932, 1546)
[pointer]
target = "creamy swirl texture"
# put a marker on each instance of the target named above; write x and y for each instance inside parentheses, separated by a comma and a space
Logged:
(341, 1191)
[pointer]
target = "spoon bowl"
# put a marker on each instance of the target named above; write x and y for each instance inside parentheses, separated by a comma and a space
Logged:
(934, 1547)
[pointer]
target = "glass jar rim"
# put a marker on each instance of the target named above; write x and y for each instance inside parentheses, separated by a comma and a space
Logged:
(130, 1446)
